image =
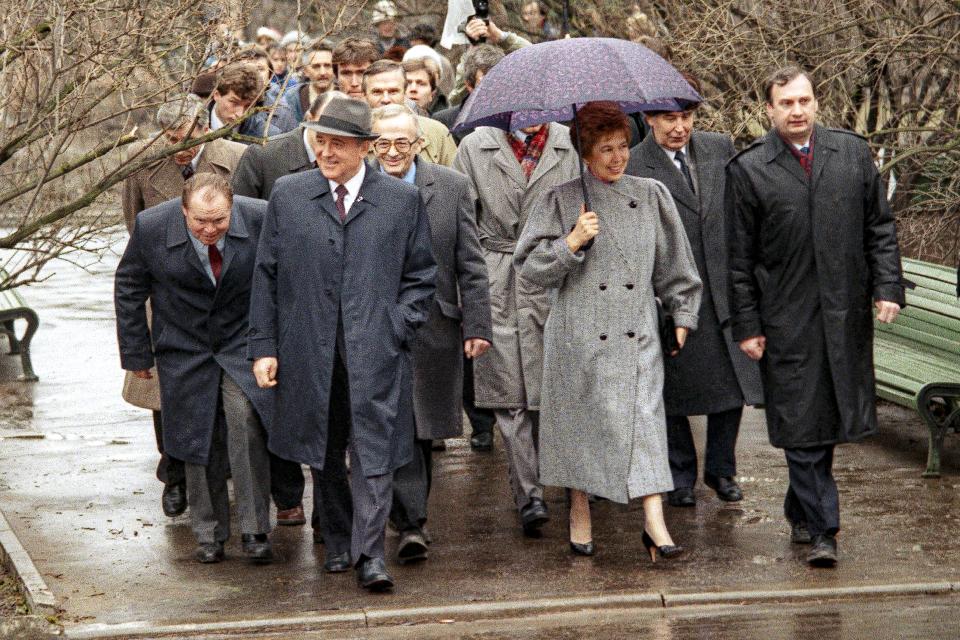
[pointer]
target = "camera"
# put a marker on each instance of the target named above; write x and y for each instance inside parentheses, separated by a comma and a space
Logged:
(481, 9)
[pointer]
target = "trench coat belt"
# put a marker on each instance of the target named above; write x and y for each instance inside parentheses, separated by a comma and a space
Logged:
(499, 245)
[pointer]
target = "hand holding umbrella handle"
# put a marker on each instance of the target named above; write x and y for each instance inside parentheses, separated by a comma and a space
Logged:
(584, 231)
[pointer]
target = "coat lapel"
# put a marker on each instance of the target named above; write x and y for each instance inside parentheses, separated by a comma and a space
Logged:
(661, 168)
(425, 180)
(236, 235)
(295, 154)
(824, 148)
(368, 191)
(167, 179)
(504, 158)
(778, 153)
(320, 191)
(708, 181)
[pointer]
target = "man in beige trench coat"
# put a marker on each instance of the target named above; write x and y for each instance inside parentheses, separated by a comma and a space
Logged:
(152, 185)
(508, 171)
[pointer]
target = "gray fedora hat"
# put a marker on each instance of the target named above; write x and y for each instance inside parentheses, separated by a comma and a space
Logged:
(344, 117)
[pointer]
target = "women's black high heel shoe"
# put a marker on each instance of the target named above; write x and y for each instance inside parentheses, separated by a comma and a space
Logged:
(666, 551)
(582, 549)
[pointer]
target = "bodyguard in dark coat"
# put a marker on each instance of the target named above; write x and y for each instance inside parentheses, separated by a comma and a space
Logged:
(344, 277)
(813, 240)
(194, 259)
(710, 376)
(459, 319)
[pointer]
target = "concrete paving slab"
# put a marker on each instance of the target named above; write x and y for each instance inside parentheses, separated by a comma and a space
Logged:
(85, 505)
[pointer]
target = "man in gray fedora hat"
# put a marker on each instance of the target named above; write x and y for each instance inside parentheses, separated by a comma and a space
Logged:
(344, 276)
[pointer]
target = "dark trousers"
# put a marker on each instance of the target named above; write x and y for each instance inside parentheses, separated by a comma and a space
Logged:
(169, 470)
(286, 483)
(722, 429)
(812, 495)
(411, 488)
(481, 420)
(355, 508)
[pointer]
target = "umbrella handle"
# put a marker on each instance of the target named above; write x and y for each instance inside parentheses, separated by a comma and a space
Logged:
(583, 178)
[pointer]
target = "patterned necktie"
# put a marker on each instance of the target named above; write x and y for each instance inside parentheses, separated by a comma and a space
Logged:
(684, 169)
(341, 192)
(187, 170)
(216, 261)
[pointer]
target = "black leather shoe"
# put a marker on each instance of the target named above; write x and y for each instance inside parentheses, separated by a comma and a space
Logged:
(174, 500)
(682, 497)
(799, 533)
(533, 516)
(337, 562)
(209, 552)
(727, 488)
(257, 547)
(823, 551)
(372, 575)
(412, 547)
(482, 441)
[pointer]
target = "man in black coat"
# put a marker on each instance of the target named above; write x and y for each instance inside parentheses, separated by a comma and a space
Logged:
(345, 275)
(710, 376)
(813, 241)
(194, 257)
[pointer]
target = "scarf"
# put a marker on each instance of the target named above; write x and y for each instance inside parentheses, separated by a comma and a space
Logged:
(528, 153)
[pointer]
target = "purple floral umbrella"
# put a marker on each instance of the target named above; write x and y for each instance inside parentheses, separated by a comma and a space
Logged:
(547, 82)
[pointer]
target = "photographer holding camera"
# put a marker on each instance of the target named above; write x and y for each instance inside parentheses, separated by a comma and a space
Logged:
(479, 29)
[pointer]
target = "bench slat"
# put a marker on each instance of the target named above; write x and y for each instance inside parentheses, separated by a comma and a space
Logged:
(929, 270)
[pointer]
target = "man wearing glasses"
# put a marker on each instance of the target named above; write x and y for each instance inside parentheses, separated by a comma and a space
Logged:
(459, 322)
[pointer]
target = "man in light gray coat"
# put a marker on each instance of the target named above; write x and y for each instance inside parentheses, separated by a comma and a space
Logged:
(459, 322)
(508, 171)
(710, 376)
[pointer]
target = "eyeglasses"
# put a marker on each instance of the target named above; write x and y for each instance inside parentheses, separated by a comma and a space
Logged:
(402, 145)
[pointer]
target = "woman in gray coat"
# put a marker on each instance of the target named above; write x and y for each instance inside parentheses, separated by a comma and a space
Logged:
(603, 428)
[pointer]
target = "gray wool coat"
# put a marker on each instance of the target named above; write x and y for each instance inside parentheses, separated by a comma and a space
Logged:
(711, 374)
(508, 375)
(602, 421)
(461, 305)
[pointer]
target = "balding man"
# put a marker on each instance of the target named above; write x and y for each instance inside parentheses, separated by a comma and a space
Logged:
(194, 257)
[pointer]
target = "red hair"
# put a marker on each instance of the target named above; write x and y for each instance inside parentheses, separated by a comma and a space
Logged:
(598, 120)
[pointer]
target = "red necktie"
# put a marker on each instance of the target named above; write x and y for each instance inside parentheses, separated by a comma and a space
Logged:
(216, 261)
(341, 192)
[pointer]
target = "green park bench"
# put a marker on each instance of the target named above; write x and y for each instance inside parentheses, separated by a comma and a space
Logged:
(917, 358)
(13, 308)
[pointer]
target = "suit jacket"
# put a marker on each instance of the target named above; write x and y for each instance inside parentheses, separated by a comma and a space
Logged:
(462, 298)
(375, 274)
(261, 166)
(807, 256)
(704, 219)
(163, 180)
(508, 375)
(199, 329)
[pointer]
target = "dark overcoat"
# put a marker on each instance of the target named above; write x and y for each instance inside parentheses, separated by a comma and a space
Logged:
(261, 165)
(806, 257)
(710, 374)
(377, 271)
(199, 329)
(460, 309)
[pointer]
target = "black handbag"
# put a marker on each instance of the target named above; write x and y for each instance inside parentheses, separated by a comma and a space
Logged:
(667, 330)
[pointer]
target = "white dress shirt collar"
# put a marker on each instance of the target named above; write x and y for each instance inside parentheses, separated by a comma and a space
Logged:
(306, 145)
(352, 185)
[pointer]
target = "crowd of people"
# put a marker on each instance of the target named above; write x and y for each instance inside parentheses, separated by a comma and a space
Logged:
(335, 285)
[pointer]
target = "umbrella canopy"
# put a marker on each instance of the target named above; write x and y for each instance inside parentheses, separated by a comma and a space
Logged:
(543, 82)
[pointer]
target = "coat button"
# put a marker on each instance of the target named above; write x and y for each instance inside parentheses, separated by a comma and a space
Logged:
(331, 241)
(603, 336)
(628, 286)
(603, 287)
(633, 204)
(330, 292)
(631, 334)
